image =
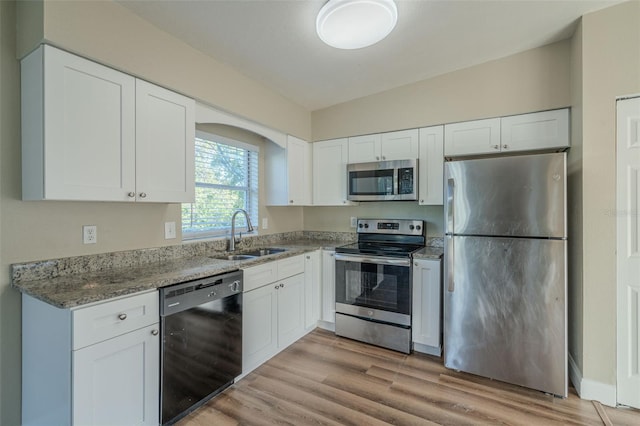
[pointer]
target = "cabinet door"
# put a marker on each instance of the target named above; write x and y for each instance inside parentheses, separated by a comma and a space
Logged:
(290, 310)
(259, 326)
(363, 149)
(431, 166)
(472, 137)
(79, 144)
(425, 322)
(328, 286)
(312, 276)
(299, 171)
(401, 145)
(165, 140)
(116, 382)
(330, 172)
(536, 131)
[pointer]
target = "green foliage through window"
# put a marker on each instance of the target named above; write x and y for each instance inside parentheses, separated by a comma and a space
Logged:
(226, 180)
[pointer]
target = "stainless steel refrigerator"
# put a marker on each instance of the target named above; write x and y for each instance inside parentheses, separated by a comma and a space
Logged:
(506, 269)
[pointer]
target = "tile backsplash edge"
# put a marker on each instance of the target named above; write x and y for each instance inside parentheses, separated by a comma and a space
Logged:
(51, 268)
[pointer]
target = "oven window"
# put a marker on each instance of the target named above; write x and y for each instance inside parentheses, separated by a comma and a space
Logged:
(370, 285)
(371, 182)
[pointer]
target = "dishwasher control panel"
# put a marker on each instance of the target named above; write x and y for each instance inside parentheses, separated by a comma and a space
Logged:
(179, 297)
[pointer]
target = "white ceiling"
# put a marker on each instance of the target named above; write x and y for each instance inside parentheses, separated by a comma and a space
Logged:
(274, 41)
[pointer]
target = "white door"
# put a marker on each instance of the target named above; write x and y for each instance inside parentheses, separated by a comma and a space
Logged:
(290, 310)
(89, 129)
(472, 137)
(628, 251)
(400, 145)
(364, 149)
(431, 166)
(312, 289)
(116, 382)
(328, 286)
(330, 172)
(259, 326)
(165, 143)
(298, 171)
(425, 321)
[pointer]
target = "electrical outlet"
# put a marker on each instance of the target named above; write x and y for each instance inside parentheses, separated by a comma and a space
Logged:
(89, 234)
(265, 223)
(169, 230)
(354, 221)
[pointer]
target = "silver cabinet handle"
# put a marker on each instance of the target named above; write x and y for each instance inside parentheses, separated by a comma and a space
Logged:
(154, 332)
(131, 194)
(377, 158)
(291, 201)
(496, 147)
(384, 158)
(143, 195)
(505, 146)
(122, 317)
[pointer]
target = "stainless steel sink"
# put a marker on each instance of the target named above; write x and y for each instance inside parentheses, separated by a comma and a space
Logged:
(250, 254)
(234, 257)
(265, 251)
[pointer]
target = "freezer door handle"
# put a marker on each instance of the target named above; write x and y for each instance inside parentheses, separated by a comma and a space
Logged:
(449, 257)
(450, 230)
(450, 195)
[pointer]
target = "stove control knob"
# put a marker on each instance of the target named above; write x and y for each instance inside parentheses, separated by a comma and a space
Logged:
(418, 227)
(411, 227)
(366, 225)
(360, 225)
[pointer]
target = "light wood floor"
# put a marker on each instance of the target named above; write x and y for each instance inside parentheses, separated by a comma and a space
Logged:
(327, 380)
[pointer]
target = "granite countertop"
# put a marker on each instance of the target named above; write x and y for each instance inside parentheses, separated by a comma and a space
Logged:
(429, 253)
(78, 289)
(74, 282)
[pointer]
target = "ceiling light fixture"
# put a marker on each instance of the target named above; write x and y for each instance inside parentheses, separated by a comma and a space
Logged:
(353, 24)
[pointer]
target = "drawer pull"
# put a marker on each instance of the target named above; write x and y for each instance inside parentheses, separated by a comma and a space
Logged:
(154, 332)
(122, 317)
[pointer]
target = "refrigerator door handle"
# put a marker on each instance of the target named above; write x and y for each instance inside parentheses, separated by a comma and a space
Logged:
(450, 228)
(450, 262)
(450, 195)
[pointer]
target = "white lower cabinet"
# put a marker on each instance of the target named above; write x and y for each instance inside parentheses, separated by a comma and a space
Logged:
(427, 302)
(328, 287)
(95, 365)
(122, 374)
(312, 289)
(273, 313)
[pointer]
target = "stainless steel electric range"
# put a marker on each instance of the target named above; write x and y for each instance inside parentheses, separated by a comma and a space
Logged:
(373, 282)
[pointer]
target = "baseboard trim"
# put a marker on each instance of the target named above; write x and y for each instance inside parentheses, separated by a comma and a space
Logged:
(591, 389)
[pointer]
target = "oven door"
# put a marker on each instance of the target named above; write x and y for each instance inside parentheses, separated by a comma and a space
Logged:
(374, 287)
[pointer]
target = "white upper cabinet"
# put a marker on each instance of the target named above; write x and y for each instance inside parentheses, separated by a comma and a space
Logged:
(538, 130)
(431, 166)
(364, 149)
(400, 145)
(165, 138)
(93, 133)
(472, 137)
(288, 173)
(330, 172)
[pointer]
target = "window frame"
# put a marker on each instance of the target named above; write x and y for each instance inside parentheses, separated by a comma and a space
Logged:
(251, 192)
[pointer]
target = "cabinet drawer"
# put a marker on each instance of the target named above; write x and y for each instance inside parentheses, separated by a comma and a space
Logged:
(290, 266)
(101, 322)
(257, 276)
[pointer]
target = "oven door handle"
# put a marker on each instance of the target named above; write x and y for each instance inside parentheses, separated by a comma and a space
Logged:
(374, 259)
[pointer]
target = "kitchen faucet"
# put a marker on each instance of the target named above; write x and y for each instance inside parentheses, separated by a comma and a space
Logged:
(232, 240)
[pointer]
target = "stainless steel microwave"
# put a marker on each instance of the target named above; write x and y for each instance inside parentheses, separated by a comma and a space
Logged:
(383, 181)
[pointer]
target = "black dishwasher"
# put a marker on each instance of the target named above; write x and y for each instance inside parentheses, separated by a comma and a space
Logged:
(201, 323)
